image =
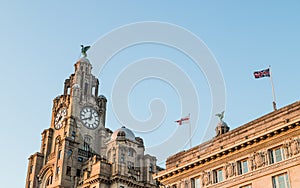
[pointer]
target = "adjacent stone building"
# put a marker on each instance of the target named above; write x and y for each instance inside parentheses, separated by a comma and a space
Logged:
(264, 153)
(79, 151)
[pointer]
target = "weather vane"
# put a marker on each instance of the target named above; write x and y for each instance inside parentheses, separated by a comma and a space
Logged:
(221, 115)
(84, 49)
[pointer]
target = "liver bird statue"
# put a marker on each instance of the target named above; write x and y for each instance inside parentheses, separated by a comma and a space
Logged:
(84, 49)
(221, 115)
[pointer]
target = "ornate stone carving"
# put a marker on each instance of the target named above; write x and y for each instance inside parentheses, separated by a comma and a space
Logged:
(286, 147)
(291, 147)
(187, 183)
(229, 170)
(206, 178)
(258, 159)
(294, 146)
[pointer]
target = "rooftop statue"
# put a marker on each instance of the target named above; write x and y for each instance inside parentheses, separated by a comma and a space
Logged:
(221, 115)
(84, 49)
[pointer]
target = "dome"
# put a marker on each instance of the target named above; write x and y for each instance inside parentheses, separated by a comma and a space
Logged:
(102, 97)
(222, 124)
(83, 60)
(222, 128)
(123, 131)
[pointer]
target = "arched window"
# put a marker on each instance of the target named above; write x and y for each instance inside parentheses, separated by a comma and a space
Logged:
(46, 178)
(122, 159)
(87, 143)
(57, 144)
(151, 168)
(59, 154)
(131, 152)
(109, 155)
(49, 180)
(57, 140)
(86, 86)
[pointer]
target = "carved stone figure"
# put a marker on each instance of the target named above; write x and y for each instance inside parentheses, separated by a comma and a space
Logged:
(252, 163)
(229, 170)
(90, 164)
(294, 145)
(258, 160)
(205, 178)
(286, 147)
(187, 183)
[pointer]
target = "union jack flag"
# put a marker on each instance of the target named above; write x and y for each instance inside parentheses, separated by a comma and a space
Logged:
(262, 73)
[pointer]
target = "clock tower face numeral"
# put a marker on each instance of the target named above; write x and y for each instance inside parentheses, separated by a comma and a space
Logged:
(89, 117)
(60, 116)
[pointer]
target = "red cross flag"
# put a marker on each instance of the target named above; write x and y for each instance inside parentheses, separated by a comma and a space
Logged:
(184, 120)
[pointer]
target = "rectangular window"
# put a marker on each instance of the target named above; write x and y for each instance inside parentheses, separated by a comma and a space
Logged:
(151, 168)
(242, 166)
(218, 175)
(247, 186)
(49, 181)
(114, 158)
(276, 155)
(86, 85)
(68, 173)
(86, 146)
(93, 91)
(59, 154)
(80, 159)
(30, 169)
(197, 183)
(130, 164)
(73, 134)
(122, 158)
(78, 172)
(57, 170)
(130, 153)
(281, 181)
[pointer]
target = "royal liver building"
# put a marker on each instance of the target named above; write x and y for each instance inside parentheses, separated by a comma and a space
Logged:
(77, 150)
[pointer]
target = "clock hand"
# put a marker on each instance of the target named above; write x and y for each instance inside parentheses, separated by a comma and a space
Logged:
(59, 119)
(90, 116)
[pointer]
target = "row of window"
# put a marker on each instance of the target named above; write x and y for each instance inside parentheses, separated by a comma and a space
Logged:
(275, 155)
(278, 181)
(131, 153)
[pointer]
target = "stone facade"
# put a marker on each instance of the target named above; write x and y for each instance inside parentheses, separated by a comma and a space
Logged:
(79, 151)
(261, 153)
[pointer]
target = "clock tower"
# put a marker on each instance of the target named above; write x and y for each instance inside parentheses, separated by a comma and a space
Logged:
(78, 151)
(77, 131)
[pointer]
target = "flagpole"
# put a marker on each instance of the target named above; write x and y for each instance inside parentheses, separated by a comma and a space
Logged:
(190, 130)
(273, 90)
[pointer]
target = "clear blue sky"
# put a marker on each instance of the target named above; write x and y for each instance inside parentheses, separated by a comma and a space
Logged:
(40, 43)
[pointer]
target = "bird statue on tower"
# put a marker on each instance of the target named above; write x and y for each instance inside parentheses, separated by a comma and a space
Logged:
(221, 115)
(84, 49)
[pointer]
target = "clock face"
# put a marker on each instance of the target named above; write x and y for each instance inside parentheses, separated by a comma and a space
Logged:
(60, 116)
(89, 117)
